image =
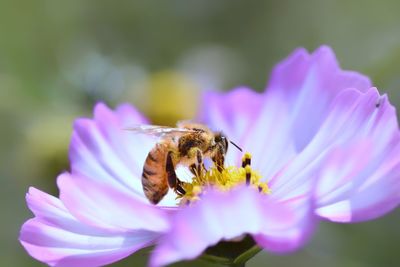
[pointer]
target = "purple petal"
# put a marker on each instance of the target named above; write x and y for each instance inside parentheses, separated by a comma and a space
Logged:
(57, 238)
(277, 125)
(311, 110)
(354, 158)
(101, 149)
(98, 204)
(233, 113)
(279, 227)
(307, 85)
(373, 189)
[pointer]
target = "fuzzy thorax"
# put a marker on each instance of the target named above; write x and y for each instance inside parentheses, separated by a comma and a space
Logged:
(223, 180)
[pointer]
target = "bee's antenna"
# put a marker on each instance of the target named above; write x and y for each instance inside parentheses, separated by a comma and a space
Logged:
(236, 146)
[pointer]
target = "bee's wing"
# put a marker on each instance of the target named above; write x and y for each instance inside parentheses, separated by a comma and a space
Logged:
(157, 131)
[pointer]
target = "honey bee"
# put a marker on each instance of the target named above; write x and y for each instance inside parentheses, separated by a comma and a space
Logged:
(188, 145)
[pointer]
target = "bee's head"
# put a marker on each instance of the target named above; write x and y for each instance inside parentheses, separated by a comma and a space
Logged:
(222, 141)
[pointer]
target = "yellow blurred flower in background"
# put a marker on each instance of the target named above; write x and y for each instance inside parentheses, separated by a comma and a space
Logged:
(167, 96)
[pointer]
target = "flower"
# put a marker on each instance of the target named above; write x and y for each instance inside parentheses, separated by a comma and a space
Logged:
(324, 146)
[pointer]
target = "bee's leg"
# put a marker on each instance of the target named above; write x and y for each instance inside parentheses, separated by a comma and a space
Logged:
(179, 189)
(219, 159)
(172, 179)
(198, 167)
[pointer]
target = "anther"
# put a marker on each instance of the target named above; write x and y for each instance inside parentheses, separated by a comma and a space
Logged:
(246, 160)
(248, 174)
(197, 190)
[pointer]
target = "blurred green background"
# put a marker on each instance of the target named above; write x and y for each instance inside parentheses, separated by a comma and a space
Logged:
(57, 58)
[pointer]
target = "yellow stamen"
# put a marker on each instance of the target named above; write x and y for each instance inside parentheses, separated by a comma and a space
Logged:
(248, 174)
(246, 160)
(224, 180)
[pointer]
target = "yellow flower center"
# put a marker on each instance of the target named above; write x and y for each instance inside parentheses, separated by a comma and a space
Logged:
(224, 179)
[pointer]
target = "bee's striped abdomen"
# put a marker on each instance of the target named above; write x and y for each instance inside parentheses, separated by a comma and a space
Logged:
(154, 180)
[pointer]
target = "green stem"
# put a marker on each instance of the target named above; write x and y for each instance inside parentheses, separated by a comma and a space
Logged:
(230, 253)
(247, 255)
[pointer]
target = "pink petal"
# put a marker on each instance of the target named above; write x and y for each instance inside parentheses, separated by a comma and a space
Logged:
(253, 122)
(354, 156)
(295, 177)
(96, 203)
(279, 227)
(310, 111)
(102, 149)
(307, 85)
(277, 125)
(361, 193)
(57, 238)
(233, 113)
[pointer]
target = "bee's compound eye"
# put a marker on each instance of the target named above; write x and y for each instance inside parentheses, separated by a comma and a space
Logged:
(225, 140)
(221, 139)
(217, 138)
